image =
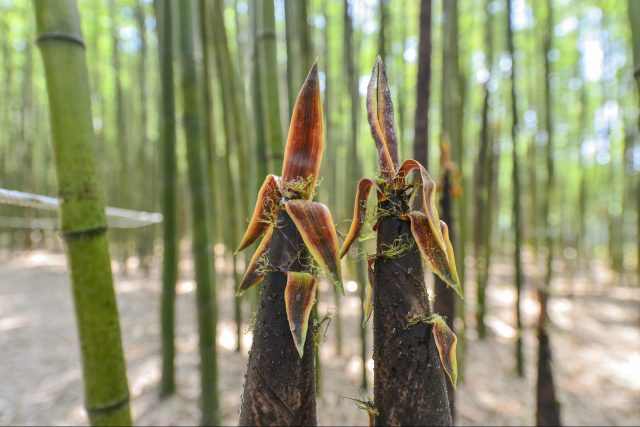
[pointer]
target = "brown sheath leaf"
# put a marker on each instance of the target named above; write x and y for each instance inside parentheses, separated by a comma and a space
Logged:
(265, 212)
(253, 275)
(436, 258)
(360, 212)
(450, 255)
(298, 297)
(446, 342)
(383, 128)
(385, 114)
(368, 302)
(315, 225)
(305, 143)
(428, 195)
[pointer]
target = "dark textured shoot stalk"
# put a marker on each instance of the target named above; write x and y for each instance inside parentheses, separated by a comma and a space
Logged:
(409, 381)
(169, 200)
(82, 219)
(516, 196)
(411, 357)
(280, 386)
(193, 122)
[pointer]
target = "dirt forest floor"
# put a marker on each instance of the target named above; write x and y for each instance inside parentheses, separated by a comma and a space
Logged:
(595, 342)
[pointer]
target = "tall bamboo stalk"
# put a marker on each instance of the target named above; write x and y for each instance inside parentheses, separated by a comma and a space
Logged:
(169, 193)
(452, 135)
(235, 134)
(355, 171)
(82, 219)
(269, 84)
(306, 45)
(121, 146)
(548, 410)
(383, 6)
(256, 97)
(293, 51)
(516, 196)
(421, 136)
(634, 17)
(445, 300)
(482, 222)
(193, 122)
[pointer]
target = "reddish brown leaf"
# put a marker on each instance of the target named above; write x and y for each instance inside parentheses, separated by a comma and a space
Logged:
(305, 143)
(385, 114)
(265, 212)
(360, 212)
(298, 298)
(368, 302)
(450, 254)
(446, 342)
(253, 275)
(314, 223)
(380, 116)
(428, 195)
(436, 258)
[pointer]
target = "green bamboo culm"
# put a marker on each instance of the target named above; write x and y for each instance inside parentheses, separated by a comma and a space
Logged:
(256, 98)
(193, 122)
(634, 17)
(235, 137)
(516, 197)
(169, 192)
(82, 220)
(269, 84)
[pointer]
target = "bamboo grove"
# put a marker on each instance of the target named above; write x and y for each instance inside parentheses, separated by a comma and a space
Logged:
(518, 120)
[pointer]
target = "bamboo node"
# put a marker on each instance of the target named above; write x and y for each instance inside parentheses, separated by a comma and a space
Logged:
(55, 35)
(266, 34)
(108, 408)
(83, 234)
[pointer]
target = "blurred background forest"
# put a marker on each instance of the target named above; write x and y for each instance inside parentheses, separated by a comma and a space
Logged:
(562, 109)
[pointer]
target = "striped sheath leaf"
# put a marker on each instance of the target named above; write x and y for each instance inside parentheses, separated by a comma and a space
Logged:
(298, 297)
(265, 212)
(450, 255)
(253, 275)
(446, 342)
(313, 221)
(428, 195)
(380, 115)
(360, 212)
(368, 301)
(436, 258)
(305, 143)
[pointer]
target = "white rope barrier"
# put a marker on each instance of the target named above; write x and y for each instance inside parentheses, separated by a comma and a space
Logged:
(117, 217)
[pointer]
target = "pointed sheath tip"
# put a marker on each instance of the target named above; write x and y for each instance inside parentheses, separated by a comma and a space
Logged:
(313, 72)
(457, 288)
(340, 288)
(300, 348)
